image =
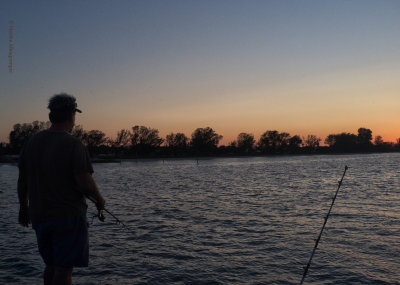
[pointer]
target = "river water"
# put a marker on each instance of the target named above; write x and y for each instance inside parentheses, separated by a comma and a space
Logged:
(229, 221)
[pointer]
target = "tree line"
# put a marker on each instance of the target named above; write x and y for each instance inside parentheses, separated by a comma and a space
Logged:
(142, 141)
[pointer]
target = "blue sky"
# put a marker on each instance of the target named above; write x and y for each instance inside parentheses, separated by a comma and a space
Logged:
(304, 67)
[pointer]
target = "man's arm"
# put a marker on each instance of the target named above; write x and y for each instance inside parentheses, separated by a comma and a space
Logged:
(88, 187)
(23, 217)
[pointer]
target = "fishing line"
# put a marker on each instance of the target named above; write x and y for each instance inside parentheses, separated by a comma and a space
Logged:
(323, 227)
(101, 217)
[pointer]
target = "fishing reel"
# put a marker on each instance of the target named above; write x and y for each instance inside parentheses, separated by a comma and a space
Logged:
(99, 215)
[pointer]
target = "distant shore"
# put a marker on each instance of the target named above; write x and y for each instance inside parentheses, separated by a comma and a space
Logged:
(13, 159)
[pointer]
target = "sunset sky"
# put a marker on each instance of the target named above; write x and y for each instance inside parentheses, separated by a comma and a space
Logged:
(303, 67)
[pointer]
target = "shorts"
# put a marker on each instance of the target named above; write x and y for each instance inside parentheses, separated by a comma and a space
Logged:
(63, 242)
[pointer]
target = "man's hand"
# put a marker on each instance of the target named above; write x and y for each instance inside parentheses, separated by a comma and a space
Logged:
(23, 217)
(100, 202)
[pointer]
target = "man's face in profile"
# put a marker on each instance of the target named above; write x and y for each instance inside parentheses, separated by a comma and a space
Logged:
(72, 122)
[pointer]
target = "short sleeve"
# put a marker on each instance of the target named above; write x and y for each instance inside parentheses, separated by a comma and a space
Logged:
(81, 161)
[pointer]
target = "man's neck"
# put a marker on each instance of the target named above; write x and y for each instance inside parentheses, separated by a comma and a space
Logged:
(60, 127)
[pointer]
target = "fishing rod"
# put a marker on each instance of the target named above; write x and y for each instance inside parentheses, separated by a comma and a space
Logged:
(102, 218)
(323, 227)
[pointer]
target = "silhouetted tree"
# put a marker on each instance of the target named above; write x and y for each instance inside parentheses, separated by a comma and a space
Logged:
(231, 148)
(264, 143)
(123, 139)
(284, 141)
(364, 139)
(3, 148)
(378, 141)
(330, 140)
(268, 141)
(397, 145)
(273, 141)
(233, 144)
(78, 132)
(312, 143)
(205, 140)
(108, 143)
(383, 146)
(245, 142)
(178, 140)
(344, 142)
(21, 133)
(94, 139)
(145, 140)
(295, 143)
(177, 143)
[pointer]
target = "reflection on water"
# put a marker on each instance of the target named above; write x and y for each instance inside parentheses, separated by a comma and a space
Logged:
(229, 221)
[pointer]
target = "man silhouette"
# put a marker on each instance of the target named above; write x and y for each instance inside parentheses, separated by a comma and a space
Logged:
(55, 175)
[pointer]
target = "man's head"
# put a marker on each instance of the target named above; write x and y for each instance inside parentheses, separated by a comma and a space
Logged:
(62, 106)
(62, 109)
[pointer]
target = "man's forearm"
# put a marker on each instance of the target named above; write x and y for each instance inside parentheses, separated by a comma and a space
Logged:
(94, 195)
(89, 188)
(93, 191)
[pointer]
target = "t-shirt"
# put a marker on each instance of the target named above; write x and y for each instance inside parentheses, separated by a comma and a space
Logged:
(49, 162)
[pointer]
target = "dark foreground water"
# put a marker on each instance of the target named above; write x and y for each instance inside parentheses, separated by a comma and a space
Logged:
(229, 221)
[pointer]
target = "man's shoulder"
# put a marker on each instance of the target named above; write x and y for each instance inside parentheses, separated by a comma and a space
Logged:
(56, 134)
(58, 137)
(37, 138)
(39, 135)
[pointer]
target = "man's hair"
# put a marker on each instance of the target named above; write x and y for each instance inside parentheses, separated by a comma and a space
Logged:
(62, 106)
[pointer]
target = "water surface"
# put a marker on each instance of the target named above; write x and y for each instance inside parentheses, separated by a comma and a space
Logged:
(229, 221)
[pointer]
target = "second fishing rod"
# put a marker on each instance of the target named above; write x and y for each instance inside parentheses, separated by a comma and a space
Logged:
(323, 227)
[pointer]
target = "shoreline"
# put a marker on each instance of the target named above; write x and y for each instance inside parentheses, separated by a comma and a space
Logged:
(13, 159)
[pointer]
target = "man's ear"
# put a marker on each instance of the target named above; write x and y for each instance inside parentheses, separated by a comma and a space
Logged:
(71, 120)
